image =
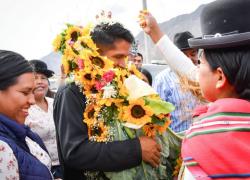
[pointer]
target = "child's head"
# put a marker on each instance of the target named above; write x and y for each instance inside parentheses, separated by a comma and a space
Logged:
(225, 61)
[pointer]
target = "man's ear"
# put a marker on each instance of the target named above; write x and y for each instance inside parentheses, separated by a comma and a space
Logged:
(221, 79)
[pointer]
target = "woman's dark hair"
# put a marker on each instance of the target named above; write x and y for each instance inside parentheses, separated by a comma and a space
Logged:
(148, 76)
(235, 63)
(12, 65)
(106, 33)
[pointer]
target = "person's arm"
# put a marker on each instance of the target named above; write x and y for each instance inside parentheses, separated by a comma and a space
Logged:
(80, 153)
(175, 58)
(8, 162)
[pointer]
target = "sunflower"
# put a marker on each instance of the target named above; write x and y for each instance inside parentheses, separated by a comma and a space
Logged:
(65, 64)
(89, 113)
(101, 62)
(149, 130)
(57, 42)
(87, 29)
(70, 53)
(88, 76)
(162, 129)
(178, 165)
(122, 90)
(72, 33)
(137, 112)
(85, 78)
(122, 73)
(133, 70)
(85, 42)
(162, 116)
(109, 101)
(98, 132)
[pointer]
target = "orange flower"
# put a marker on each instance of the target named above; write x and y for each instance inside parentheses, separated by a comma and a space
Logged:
(149, 130)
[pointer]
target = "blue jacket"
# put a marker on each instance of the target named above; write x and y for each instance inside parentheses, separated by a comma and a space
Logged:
(30, 168)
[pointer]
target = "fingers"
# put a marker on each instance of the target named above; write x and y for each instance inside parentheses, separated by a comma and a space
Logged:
(143, 24)
(154, 161)
(145, 12)
(157, 154)
(155, 157)
(158, 147)
(142, 18)
(150, 151)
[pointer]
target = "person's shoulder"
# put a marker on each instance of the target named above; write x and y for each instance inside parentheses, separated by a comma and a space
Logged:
(69, 91)
(163, 73)
(144, 70)
(70, 87)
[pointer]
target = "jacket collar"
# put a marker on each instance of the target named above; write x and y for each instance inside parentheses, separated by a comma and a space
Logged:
(19, 130)
(223, 105)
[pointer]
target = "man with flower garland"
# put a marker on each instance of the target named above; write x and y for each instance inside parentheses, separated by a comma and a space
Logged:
(77, 154)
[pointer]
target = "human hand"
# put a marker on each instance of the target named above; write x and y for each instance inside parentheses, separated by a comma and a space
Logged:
(150, 26)
(63, 74)
(151, 151)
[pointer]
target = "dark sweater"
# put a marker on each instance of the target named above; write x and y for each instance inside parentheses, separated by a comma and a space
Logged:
(76, 152)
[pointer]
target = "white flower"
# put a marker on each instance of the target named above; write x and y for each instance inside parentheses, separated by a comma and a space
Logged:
(109, 91)
(137, 88)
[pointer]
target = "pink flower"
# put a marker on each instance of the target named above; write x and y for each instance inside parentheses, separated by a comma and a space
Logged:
(99, 85)
(108, 76)
(80, 63)
(71, 43)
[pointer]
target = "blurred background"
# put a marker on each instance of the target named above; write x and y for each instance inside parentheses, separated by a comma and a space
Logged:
(29, 26)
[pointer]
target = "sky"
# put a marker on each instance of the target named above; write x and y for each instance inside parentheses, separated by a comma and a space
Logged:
(29, 26)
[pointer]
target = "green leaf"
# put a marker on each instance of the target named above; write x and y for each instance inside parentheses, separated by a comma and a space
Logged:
(159, 106)
(130, 132)
(128, 174)
(73, 65)
(158, 121)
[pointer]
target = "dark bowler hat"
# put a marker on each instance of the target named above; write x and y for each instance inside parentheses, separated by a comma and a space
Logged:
(41, 67)
(224, 23)
(181, 40)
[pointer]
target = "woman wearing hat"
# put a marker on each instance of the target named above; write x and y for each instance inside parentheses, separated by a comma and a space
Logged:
(22, 152)
(40, 118)
(217, 145)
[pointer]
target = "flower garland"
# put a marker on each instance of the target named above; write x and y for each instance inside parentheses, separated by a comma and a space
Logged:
(119, 105)
(104, 87)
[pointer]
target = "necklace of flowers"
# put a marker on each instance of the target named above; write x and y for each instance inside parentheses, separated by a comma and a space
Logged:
(103, 85)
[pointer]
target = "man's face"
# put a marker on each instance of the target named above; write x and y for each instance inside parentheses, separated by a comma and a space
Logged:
(193, 55)
(117, 53)
(137, 61)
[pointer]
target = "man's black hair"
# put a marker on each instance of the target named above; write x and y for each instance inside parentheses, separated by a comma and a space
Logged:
(139, 54)
(106, 34)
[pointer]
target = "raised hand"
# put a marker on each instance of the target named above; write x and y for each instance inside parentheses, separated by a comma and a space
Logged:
(150, 26)
(151, 151)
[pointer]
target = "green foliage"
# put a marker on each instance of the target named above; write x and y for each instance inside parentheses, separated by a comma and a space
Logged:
(170, 145)
(159, 106)
(156, 120)
(72, 65)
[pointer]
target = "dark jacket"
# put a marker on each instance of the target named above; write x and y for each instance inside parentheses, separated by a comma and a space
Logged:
(29, 167)
(76, 152)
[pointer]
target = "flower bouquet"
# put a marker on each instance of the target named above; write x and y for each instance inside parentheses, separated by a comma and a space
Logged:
(119, 104)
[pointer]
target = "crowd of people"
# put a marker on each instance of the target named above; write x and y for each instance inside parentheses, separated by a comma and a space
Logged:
(45, 137)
